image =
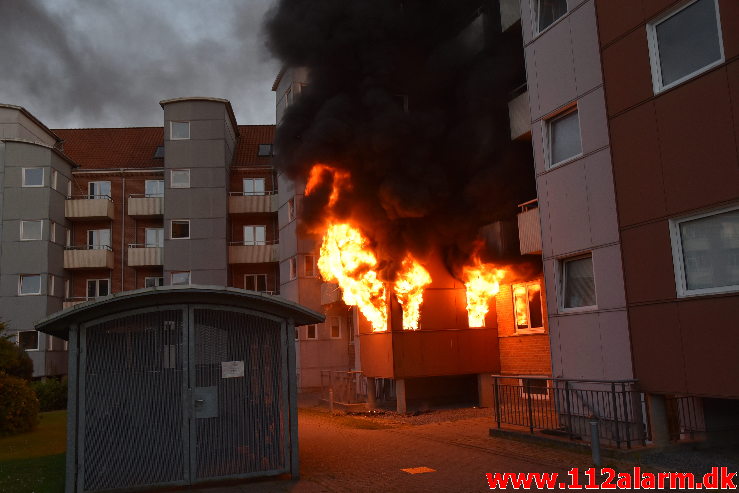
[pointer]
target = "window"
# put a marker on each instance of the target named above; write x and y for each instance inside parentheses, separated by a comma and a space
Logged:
(548, 11)
(705, 250)
(99, 189)
(528, 307)
(180, 178)
(33, 177)
(564, 137)
(291, 209)
(154, 188)
(310, 265)
(180, 229)
(29, 284)
(264, 150)
(159, 152)
(311, 332)
(536, 388)
(98, 239)
(28, 340)
(152, 282)
(179, 130)
(54, 179)
(684, 43)
(154, 238)
(52, 285)
(253, 186)
(350, 326)
(52, 231)
(97, 288)
(335, 326)
(297, 333)
(255, 282)
(293, 268)
(31, 230)
(180, 278)
(255, 235)
(579, 284)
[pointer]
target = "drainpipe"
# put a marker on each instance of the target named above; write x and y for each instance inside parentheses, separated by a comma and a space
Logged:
(123, 230)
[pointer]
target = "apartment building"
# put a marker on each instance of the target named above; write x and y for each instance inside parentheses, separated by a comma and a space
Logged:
(92, 212)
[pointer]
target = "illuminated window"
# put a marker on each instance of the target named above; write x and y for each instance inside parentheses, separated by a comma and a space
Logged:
(335, 326)
(705, 252)
(548, 12)
(253, 186)
(311, 332)
(179, 130)
(684, 43)
(578, 283)
(563, 134)
(528, 307)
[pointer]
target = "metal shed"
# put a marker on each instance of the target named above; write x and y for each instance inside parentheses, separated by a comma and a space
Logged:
(178, 385)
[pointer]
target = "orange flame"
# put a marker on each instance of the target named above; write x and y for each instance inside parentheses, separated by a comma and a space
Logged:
(409, 288)
(340, 181)
(520, 302)
(346, 259)
(482, 282)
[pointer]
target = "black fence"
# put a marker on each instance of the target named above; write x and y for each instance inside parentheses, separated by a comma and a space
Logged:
(566, 407)
(684, 417)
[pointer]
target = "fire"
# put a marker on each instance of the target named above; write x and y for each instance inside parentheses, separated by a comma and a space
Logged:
(346, 258)
(522, 312)
(340, 181)
(482, 282)
(409, 288)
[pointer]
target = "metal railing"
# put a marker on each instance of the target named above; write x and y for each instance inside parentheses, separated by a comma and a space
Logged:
(146, 245)
(566, 407)
(146, 195)
(90, 196)
(531, 204)
(252, 194)
(348, 387)
(88, 247)
(684, 417)
(253, 243)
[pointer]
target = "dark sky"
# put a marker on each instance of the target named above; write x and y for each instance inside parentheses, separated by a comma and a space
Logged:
(108, 63)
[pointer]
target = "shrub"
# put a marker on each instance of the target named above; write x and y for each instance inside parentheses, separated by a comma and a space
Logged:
(18, 406)
(14, 361)
(51, 393)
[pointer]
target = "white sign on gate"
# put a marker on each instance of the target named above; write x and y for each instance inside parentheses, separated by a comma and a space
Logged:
(232, 369)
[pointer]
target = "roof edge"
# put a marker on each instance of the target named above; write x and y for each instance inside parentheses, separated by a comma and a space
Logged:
(40, 144)
(212, 100)
(33, 119)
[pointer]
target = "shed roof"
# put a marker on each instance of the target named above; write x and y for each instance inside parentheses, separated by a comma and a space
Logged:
(58, 324)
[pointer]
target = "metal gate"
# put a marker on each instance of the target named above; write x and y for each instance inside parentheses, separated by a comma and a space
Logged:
(180, 394)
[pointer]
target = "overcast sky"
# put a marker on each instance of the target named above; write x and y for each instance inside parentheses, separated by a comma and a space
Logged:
(108, 63)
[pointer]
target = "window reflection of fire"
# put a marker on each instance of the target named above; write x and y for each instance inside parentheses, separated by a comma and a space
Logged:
(527, 304)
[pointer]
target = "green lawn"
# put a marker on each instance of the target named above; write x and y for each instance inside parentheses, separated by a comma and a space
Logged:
(34, 462)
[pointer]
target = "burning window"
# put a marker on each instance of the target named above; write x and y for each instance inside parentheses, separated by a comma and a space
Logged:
(528, 307)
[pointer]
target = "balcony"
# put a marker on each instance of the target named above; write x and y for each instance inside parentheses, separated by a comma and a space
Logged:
(70, 302)
(519, 113)
(140, 205)
(89, 208)
(529, 228)
(144, 256)
(238, 253)
(330, 293)
(88, 257)
(239, 203)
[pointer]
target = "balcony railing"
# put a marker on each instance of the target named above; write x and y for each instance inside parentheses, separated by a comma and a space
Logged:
(252, 253)
(143, 205)
(566, 407)
(519, 115)
(529, 228)
(88, 257)
(89, 207)
(248, 202)
(144, 255)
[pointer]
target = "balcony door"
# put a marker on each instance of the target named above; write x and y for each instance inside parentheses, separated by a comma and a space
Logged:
(255, 235)
(98, 239)
(154, 237)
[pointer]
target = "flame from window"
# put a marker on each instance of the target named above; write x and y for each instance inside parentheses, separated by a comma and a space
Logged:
(409, 287)
(482, 282)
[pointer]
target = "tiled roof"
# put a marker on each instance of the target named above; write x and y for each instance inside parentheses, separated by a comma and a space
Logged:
(101, 148)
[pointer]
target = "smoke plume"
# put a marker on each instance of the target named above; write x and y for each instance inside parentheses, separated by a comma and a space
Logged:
(410, 97)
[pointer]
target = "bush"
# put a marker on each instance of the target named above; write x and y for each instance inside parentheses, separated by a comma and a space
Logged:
(18, 406)
(51, 394)
(14, 361)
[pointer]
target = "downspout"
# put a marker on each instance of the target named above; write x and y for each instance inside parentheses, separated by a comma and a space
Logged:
(123, 230)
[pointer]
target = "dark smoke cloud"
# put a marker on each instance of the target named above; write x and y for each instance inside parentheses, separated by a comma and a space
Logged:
(424, 179)
(97, 63)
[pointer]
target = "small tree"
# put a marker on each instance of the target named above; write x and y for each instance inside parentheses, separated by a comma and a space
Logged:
(13, 360)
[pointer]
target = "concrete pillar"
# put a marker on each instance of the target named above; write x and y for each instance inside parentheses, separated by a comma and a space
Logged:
(371, 394)
(658, 419)
(401, 406)
(485, 390)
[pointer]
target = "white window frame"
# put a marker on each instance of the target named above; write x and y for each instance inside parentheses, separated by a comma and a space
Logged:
(535, 18)
(330, 327)
(253, 181)
(51, 285)
(160, 236)
(254, 228)
(529, 330)
(678, 260)
(54, 178)
(172, 183)
(96, 195)
(189, 278)
(20, 284)
(41, 230)
(149, 195)
(97, 288)
(91, 245)
(293, 266)
(171, 130)
(52, 231)
(146, 279)
(525, 395)
(38, 339)
(315, 332)
(297, 333)
(23, 177)
(171, 223)
(548, 121)
(654, 60)
(256, 283)
(563, 279)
